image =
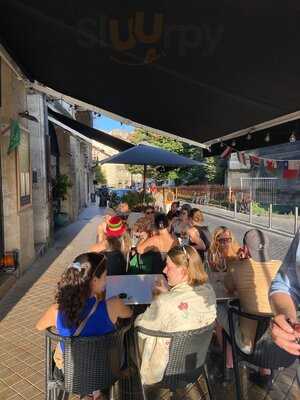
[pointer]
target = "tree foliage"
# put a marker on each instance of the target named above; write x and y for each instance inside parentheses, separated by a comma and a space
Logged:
(100, 176)
(212, 171)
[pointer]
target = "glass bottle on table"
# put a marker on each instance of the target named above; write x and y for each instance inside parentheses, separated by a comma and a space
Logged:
(184, 238)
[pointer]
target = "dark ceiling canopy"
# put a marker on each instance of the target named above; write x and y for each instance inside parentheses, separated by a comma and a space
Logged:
(196, 69)
(264, 138)
(91, 133)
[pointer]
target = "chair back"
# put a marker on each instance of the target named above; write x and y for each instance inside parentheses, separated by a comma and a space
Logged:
(150, 262)
(187, 355)
(91, 363)
(265, 353)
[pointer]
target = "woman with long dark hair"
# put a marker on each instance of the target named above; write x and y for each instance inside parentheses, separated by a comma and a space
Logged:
(80, 303)
(199, 235)
(160, 243)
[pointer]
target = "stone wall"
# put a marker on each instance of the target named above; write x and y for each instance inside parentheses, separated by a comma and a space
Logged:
(17, 220)
(75, 162)
(40, 188)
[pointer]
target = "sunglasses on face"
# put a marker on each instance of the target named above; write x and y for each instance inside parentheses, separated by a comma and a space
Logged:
(224, 240)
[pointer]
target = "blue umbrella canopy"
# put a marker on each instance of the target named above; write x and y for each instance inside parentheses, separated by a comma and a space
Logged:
(149, 155)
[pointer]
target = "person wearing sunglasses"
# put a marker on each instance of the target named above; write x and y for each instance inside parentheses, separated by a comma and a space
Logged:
(80, 308)
(144, 223)
(223, 249)
(188, 302)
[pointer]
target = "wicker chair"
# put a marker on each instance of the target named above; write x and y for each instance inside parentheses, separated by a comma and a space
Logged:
(265, 353)
(188, 350)
(90, 363)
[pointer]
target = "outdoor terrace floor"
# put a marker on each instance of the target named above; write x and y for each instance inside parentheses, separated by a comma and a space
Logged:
(22, 347)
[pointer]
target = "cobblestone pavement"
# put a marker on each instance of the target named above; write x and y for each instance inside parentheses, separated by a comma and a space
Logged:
(22, 347)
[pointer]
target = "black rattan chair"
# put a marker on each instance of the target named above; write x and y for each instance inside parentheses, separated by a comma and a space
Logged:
(265, 353)
(90, 363)
(188, 350)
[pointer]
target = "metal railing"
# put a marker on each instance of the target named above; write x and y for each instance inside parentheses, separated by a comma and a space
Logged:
(237, 205)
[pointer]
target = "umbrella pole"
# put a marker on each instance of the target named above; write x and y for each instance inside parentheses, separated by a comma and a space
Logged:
(144, 184)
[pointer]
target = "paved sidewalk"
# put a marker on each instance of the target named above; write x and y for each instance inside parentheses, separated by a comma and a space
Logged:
(22, 347)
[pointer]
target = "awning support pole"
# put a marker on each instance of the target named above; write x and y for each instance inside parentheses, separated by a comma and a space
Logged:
(144, 184)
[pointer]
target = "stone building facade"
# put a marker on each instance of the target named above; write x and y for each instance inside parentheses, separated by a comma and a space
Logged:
(75, 161)
(117, 175)
(17, 200)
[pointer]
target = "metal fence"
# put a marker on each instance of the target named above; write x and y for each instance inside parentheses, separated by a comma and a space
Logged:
(237, 204)
(261, 190)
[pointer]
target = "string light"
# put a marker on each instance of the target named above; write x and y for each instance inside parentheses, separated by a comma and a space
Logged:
(267, 138)
(221, 144)
(292, 138)
(249, 137)
(233, 143)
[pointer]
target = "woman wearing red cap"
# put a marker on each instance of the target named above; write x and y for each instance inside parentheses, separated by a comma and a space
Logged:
(116, 245)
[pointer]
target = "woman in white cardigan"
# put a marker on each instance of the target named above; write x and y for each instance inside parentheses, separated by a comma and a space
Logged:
(188, 303)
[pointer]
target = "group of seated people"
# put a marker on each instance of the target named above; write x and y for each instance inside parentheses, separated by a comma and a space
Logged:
(189, 253)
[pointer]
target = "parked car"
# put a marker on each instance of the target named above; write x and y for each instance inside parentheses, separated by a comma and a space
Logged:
(116, 196)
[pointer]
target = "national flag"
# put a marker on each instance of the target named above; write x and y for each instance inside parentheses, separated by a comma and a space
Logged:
(15, 136)
(247, 160)
(271, 165)
(241, 157)
(294, 164)
(254, 161)
(281, 164)
(226, 153)
(289, 173)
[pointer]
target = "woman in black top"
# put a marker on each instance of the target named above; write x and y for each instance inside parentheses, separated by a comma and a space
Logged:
(199, 235)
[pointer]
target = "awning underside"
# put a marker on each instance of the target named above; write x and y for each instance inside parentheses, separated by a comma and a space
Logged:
(90, 133)
(199, 70)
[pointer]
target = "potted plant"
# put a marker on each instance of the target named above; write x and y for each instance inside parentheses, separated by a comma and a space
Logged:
(60, 187)
(135, 200)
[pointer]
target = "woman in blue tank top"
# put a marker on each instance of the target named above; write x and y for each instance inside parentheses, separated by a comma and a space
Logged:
(80, 302)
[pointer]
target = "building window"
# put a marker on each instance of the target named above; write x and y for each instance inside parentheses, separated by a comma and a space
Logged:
(24, 168)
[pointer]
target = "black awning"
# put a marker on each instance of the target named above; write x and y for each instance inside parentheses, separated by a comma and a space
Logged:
(91, 133)
(273, 136)
(197, 69)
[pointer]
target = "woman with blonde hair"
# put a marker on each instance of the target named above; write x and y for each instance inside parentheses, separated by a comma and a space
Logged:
(115, 244)
(224, 248)
(188, 302)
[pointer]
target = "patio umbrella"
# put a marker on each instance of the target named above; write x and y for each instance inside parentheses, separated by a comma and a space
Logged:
(148, 155)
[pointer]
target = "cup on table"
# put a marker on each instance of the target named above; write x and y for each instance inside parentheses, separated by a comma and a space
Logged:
(135, 239)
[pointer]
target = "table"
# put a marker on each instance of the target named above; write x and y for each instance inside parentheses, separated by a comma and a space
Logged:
(136, 289)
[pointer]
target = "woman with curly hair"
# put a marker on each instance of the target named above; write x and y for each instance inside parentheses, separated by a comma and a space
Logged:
(224, 248)
(80, 307)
